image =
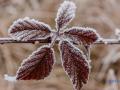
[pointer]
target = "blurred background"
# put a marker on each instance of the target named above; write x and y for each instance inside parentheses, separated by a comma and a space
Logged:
(103, 15)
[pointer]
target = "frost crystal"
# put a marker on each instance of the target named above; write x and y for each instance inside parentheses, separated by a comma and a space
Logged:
(117, 33)
(26, 29)
(65, 14)
(75, 64)
(10, 78)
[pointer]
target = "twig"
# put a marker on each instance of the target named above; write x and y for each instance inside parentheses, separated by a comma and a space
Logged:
(48, 40)
(10, 40)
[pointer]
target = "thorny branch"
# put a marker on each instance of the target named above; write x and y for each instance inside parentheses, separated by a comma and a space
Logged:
(48, 40)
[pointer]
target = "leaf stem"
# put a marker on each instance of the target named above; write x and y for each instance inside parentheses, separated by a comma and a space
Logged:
(87, 52)
(55, 36)
(53, 40)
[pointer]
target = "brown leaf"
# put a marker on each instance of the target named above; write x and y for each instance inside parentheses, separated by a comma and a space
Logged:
(26, 29)
(37, 66)
(75, 64)
(86, 36)
(65, 14)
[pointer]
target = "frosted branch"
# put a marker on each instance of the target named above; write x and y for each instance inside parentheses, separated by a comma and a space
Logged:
(48, 40)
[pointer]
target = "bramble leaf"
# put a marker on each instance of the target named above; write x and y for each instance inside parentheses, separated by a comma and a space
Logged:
(37, 66)
(26, 29)
(86, 36)
(75, 64)
(65, 14)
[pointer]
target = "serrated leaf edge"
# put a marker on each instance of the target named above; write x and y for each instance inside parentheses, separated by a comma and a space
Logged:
(38, 49)
(62, 61)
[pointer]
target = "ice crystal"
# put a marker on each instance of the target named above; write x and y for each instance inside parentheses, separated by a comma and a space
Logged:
(10, 78)
(117, 33)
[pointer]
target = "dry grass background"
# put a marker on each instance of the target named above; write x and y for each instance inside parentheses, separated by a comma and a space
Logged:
(103, 15)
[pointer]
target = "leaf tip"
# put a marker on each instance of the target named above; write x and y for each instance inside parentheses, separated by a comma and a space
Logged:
(65, 15)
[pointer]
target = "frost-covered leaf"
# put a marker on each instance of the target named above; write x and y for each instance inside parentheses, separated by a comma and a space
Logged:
(75, 64)
(86, 36)
(65, 14)
(26, 29)
(37, 66)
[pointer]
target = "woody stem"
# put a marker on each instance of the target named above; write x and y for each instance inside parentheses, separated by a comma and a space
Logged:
(48, 40)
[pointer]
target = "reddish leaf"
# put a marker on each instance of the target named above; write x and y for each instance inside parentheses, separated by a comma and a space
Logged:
(86, 36)
(75, 64)
(37, 66)
(26, 29)
(65, 14)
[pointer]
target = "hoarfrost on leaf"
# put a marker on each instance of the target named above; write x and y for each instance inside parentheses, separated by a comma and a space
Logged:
(65, 14)
(26, 29)
(37, 66)
(82, 35)
(75, 64)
